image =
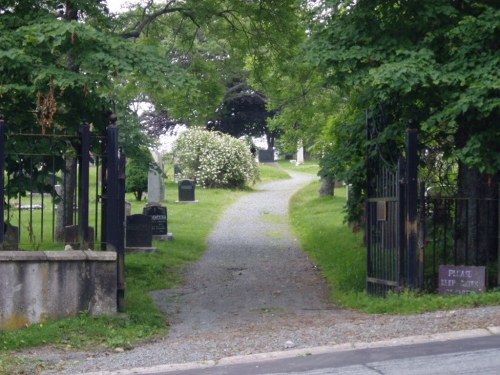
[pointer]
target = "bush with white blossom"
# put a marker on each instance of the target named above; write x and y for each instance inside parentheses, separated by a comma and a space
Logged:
(214, 159)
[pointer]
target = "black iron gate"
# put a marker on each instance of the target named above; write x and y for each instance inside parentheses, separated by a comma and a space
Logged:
(33, 165)
(391, 212)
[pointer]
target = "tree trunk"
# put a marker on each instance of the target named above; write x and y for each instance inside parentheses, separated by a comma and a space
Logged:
(327, 187)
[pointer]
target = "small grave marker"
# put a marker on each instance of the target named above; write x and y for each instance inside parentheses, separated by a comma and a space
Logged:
(461, 279)
(138, 233)
(72, 237)
(10, 237)
(187, 191)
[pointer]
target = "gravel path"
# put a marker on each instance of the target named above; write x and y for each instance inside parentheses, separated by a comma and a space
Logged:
(255, 291)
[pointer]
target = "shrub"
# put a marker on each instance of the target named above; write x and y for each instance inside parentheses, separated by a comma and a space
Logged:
(137, 172)
(214, 159)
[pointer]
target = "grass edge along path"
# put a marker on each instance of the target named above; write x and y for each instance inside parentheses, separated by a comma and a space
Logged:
(340, 254)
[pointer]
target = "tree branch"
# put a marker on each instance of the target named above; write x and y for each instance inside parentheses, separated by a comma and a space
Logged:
(148, 19)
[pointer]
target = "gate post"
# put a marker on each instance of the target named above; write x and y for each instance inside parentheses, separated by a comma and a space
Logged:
(412, 201)
(121, 231)
(2, 170)
(84, 186)
(401, 222)
(113, 222)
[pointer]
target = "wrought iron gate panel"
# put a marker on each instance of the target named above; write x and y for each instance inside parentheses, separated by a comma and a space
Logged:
(385, 232)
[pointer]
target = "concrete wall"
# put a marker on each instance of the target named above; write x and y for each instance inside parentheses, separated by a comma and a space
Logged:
(36, 286)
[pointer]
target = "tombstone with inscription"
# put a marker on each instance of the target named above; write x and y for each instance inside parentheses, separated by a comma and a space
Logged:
(187, 191)
(139, 231)
(159, 227)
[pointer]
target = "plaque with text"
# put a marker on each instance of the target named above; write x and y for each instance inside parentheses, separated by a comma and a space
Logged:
(461, 279)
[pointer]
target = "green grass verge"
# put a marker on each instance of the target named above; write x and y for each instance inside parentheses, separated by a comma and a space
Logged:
(341, 255)
(190, 225)
(309, 166)
(271, 172)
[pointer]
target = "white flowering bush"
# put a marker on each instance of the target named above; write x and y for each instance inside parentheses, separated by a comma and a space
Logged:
(214, 159)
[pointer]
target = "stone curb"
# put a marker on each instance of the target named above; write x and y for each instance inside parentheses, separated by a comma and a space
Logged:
(261, 357)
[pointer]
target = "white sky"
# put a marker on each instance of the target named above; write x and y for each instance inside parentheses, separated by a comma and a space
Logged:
(115, 5)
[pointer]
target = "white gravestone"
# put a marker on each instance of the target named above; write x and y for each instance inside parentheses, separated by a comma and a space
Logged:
(156, 188)
(300, 154)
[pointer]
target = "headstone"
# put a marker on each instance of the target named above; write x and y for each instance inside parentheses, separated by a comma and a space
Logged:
(139, 231)
(72, 237)
(158, 215)
(461, 279)
(266, 156)
(10, 237)
(128, 208)
(187, 191)
(156, 188)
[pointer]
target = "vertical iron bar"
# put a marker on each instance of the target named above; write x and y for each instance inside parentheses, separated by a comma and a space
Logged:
(401, 212)
(455, 231)
(445, 236)
(121, 231)
(412, 196)
(498, 240)
(104, 197)
(53, 202)
(2, 173)
(467, 230)
(434, 236)
(41, 215)
(112, 209)
(478, 232)
(31, 202)
(96, 216)
(83, 204)
(422, 236)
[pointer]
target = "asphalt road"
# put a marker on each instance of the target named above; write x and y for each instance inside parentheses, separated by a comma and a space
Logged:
(479, 355)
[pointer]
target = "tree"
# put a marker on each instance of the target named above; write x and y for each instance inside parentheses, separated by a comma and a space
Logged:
(433, 62)
(137, 172)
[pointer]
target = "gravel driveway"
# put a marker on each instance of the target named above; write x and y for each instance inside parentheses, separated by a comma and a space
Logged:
(255, 291)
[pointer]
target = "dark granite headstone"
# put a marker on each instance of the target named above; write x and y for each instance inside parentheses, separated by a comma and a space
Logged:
(461, 279)
(139, 231)
(71, 237)
(158, 216)
(266, 156)
(186, 190)
(10, 237)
